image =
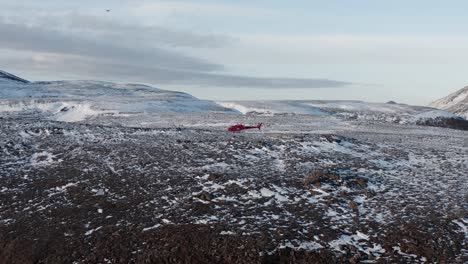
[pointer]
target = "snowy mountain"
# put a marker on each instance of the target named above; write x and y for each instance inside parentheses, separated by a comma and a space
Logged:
(353, 110)
(456, 102)
(137, 104)
(74, 101)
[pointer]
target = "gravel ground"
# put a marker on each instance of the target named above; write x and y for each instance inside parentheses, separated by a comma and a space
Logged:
(179, 189)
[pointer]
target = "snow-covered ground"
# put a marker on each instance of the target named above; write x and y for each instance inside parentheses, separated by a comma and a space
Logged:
(138, 174)
(382, 192)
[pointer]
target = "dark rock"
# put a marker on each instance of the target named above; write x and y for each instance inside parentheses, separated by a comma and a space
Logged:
(213, 177)
(454, 123)
(361, 182)
(205, 196)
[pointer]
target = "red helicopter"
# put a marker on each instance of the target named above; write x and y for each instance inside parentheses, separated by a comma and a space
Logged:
(240, 127)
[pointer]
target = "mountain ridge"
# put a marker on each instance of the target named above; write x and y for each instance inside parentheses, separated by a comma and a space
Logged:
(9, 76)
(456, 102)
(81, 100)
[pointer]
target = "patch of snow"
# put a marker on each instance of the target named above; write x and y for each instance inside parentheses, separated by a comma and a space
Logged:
(42, 159)
(89, 232)
(463, 224)
(166, 221)
(354, 240)
(240, 108)
(266, 192)
(59, 111)
(207, 220)
(305, 245)
(151, 227)
(255, 194)
(227, 233)
(77, 113)
(399, 251)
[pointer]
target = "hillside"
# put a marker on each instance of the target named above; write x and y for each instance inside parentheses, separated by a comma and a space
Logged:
(456, 102)
(353, 110)
(74, 101)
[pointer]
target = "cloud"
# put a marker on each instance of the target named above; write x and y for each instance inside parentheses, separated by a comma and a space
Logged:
(143, 34)
(116, 29)
(22, 37)
(348, 49)
(211, 9)
(96, 69)
(90, 47)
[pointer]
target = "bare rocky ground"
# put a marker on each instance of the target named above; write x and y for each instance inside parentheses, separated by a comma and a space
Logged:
(304, 190)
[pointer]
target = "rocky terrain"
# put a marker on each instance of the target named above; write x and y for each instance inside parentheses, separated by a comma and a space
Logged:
(107, 173)
(390, 112)
(359, 192)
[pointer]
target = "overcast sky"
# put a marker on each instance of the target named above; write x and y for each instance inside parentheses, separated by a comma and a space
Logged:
(407, 51)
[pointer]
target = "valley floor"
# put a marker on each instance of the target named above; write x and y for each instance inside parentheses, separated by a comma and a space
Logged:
(180, 189)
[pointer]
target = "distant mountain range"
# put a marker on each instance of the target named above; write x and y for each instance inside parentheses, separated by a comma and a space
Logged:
(456, 102)
(76, 101)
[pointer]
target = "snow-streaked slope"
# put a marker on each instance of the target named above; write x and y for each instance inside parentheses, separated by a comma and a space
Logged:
(435, 114)
(456, 102)
(85, 90)
(78, 100)
(59, 111)
(274, 107)
(395, 113)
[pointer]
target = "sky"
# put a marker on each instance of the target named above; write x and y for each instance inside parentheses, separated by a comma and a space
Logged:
(372, 50)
